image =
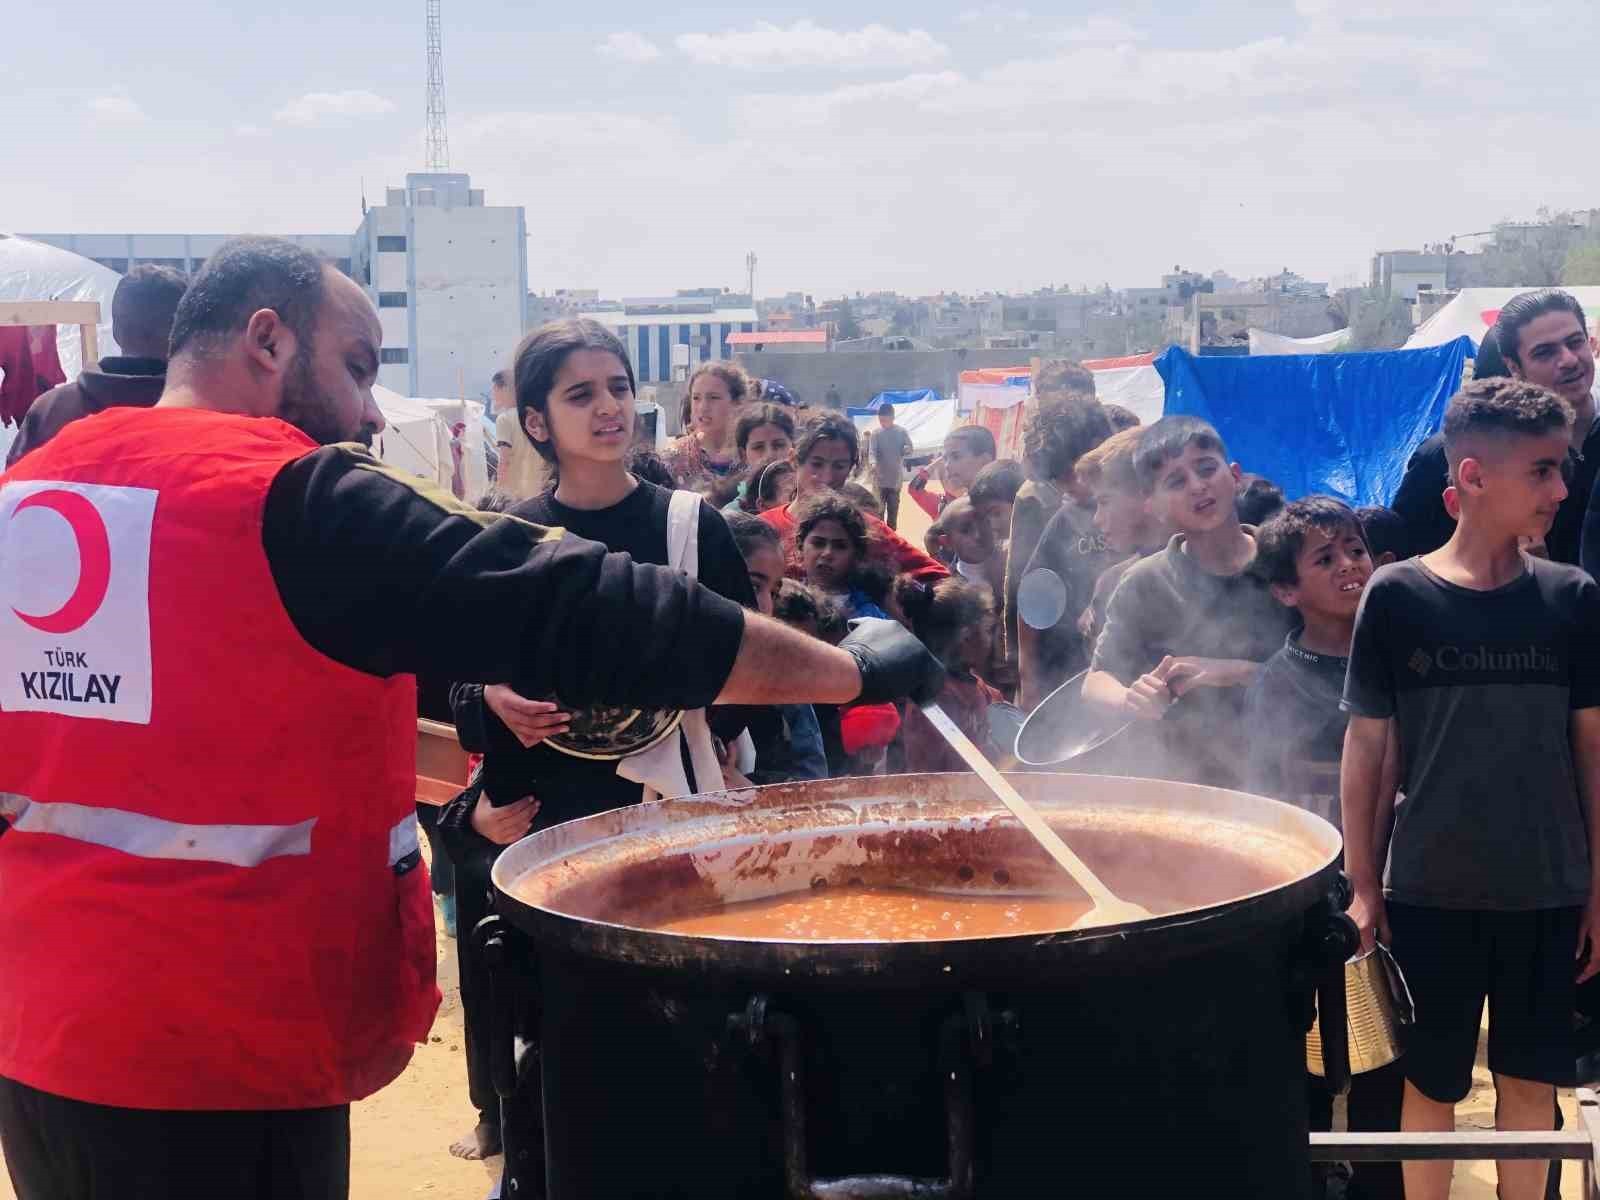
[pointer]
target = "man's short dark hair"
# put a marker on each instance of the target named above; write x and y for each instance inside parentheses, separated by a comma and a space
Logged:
(1385, 531)
(1499, 407)
(244, 276)
(886, 410)
(1062, 430)
(976, 440)
(1167, 439)
(999, 482)
(142, 309)
(1489, 363)
(1529, 306)
(1281, 538)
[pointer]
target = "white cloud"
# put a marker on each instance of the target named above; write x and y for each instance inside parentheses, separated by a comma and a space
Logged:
(806, 44)
(322, 108)
(117, 110)
(997, 15)
(628, 46)
(1101, 30)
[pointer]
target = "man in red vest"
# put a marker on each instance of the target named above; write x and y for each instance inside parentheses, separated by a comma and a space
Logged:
(213, 932)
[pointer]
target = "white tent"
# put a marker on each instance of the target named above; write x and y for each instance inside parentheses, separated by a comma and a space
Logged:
(1475, 309)
(34, 271)
(1263, 342)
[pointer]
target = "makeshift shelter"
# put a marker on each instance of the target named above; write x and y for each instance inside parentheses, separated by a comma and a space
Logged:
(34, 271)
(418, 436)
(1473, 310)
(921, 413)
(1342, 424)
(1265, 342)
(1132, 382)
(996, 398)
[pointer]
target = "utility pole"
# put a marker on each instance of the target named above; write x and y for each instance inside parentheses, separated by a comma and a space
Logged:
(750, 275)
(438, 141)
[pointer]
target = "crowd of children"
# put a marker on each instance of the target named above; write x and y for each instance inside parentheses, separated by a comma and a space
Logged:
(1442, 710)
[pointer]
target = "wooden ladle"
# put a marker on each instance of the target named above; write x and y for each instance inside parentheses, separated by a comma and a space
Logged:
(1108, 907)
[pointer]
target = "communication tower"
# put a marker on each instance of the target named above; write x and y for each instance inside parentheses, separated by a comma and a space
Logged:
(438, 147)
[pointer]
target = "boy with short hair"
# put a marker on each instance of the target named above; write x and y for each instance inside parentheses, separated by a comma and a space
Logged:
(1314, 554)
(1478, 660)
(1189, 627)
(888, 447)
(994, 494)
(968, 449)
(1122, 518)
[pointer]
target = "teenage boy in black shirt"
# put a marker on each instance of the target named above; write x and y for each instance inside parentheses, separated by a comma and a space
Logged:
(1315, 554)
(1191, 623)
(1480, 659)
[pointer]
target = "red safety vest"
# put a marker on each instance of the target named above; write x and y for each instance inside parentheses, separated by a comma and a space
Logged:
(210, 894)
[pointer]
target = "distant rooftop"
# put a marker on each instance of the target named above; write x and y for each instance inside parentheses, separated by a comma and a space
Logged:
(780, 337)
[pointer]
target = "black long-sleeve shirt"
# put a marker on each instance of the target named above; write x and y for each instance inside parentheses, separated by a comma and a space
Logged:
(387, 574)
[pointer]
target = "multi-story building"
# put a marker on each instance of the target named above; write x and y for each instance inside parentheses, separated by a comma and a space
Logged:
(1405, 273)
(447, 274)
(700, 322)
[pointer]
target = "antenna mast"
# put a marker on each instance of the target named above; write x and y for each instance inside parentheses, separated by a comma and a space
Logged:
(438, 147)
(750, 275)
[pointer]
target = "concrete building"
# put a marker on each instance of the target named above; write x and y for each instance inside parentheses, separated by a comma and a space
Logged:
(1405, 273)
(447, 274)
(781, 341)
(699, 322)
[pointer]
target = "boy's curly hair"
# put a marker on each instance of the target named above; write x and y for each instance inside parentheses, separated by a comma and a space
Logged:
(1062, 430)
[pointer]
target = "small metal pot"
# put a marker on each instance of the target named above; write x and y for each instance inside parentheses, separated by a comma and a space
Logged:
(1377, 1007)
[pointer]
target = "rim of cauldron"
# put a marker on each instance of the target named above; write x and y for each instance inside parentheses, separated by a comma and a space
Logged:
(1104, 949)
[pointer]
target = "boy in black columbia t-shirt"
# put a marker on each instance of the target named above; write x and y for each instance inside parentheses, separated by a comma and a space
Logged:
(1482, 661)
(1315, 555)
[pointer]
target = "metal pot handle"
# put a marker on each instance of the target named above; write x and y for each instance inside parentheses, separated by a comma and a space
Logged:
(762, 1027)
(492, 936)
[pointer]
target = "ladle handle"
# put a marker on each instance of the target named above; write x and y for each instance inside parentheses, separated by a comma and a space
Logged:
(1020, 808)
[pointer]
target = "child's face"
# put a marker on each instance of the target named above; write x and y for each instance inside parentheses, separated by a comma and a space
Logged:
(765, 565)
(970, 536)
(825, 468)
(976, 646)
(711, 406)
(998, 514)
(589, 413)
(1333, 568)
(828, 556)
(766, 443)
(1517, 481)
(1194, 492)
(961, 465)
(1122, 518)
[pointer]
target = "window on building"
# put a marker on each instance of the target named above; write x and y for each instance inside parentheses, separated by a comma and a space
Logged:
(391, 299)
(390, 357)
(396, 244)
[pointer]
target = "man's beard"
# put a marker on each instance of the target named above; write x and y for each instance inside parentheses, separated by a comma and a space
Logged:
(311, 412)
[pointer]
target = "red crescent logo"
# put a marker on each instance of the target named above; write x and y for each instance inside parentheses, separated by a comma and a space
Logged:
(94, 561)
(1490, 315)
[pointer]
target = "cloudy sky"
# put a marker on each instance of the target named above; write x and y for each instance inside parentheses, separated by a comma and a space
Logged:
(851, 146)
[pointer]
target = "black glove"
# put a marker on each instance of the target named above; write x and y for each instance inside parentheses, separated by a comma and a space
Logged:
(894, 665)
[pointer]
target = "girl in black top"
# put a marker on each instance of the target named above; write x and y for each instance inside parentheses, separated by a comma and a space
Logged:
(575, 398)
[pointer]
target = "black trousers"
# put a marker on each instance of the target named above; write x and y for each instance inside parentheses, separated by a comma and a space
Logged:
(60, 1149)
(472, 905)
(891, 506)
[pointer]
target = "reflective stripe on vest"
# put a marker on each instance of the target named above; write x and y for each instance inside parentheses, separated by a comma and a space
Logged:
(151, 837)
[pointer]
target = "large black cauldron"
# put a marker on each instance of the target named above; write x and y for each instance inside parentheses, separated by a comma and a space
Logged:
(1163, 1058)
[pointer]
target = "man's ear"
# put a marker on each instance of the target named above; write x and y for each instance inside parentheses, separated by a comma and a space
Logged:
(269, 344)
(1238, 472)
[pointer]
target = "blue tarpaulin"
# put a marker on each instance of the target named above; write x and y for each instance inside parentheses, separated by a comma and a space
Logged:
(1340, 424)
(917, 396)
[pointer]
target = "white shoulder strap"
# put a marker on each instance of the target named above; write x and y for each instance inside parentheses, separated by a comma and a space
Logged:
(683, 533)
